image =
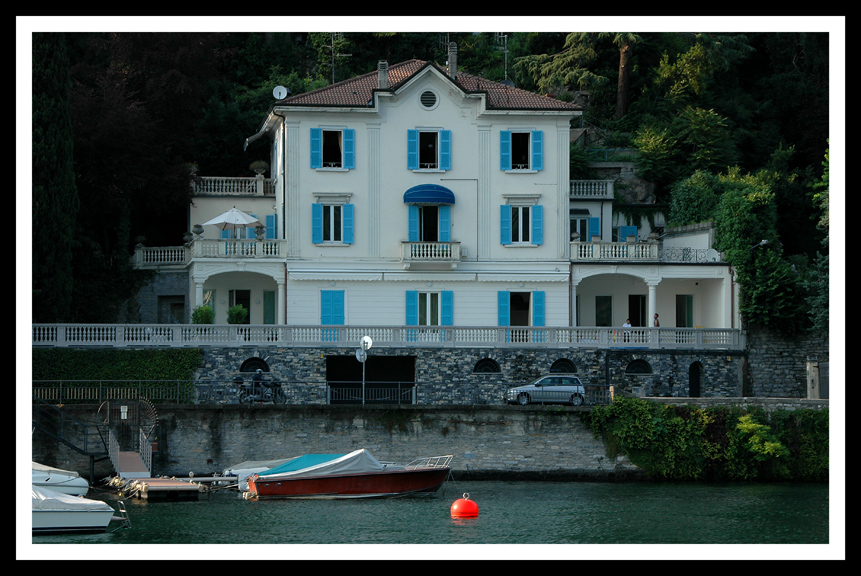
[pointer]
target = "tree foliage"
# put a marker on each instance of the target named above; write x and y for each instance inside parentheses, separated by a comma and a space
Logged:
(685, 443)
(55, 196)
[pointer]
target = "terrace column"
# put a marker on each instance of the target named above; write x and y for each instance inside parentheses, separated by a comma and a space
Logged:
(653, 300)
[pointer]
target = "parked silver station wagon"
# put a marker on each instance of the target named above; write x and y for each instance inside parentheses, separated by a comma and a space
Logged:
(550, 389)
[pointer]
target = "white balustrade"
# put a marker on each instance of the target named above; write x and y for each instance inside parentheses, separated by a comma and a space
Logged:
(173, 335)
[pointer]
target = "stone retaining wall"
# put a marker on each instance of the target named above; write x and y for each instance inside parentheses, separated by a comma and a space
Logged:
(487, 442)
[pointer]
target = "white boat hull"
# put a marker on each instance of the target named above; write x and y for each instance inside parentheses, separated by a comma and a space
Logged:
(55, 512)
(64, 481)
(54, 521)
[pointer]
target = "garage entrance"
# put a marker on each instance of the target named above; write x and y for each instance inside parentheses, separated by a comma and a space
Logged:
(388, 380)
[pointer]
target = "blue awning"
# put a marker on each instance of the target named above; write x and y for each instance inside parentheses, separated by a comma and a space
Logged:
(428, 194)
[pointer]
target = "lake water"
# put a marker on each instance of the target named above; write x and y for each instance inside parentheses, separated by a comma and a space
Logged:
(557, 519)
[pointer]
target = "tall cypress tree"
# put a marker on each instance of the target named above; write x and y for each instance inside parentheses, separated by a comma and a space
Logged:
(55, 197)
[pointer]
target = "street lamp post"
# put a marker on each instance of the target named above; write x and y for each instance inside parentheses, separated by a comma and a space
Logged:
(362, 356)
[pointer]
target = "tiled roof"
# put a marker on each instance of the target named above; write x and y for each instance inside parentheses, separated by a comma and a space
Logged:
(358, 91)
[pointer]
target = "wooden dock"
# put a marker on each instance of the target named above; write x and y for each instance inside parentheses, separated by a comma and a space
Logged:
(144, 486)
(165, 489)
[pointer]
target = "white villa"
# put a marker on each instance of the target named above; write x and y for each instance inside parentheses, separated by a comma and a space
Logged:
(437, 204)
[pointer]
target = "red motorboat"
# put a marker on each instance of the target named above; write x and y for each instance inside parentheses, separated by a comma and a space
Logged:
(354, 475)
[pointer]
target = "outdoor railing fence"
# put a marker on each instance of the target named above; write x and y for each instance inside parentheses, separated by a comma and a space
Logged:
(204, 392)
(172, 335)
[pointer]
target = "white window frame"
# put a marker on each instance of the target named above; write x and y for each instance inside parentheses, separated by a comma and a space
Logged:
(434, 132)
(339, 165)
(426, 308)
(330, 201)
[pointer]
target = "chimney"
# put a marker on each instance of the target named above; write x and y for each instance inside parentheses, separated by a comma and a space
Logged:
(452, 60)
(383, 74)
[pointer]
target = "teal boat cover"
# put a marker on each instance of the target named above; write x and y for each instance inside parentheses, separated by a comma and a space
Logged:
(357, 462)
(301, 463)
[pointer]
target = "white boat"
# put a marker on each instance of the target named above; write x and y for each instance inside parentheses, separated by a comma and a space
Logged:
(55, 512)
(65, 481)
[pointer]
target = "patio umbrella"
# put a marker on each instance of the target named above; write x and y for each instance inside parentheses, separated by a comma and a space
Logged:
(233, 219)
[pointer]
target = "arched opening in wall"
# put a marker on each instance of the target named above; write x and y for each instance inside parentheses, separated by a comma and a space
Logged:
(486, 366)
(695, 374)
(638, 367)
(252, 364)
(563, 365)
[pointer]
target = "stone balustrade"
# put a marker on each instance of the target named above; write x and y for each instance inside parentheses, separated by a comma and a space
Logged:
(198, 335)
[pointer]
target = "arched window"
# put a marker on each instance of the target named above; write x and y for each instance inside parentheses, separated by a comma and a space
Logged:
(486, 366)
(638, 367)
(252, 364)
(563, 365)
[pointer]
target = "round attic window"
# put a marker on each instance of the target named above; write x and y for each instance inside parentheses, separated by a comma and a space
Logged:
(428, 99)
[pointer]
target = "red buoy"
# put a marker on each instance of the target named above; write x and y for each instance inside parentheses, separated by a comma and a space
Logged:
(464, 508)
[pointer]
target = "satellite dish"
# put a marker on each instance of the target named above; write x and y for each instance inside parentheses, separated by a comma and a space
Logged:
(366, 342)
(507, 82)
(280, 92)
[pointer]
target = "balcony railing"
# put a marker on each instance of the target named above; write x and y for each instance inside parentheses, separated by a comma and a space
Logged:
(197, 335)
(592, 189)
(639, 251)
(417, 252)
(229, 248)
(220, 186)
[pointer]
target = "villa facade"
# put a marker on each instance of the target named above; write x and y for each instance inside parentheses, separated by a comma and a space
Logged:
(427, 197)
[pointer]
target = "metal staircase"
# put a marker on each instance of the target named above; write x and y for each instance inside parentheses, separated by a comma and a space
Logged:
(129, 424)
(121, 434)
(87, 438)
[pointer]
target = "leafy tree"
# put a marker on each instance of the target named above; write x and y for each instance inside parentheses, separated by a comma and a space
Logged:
(55, 196)
(772, 289)
(694, 199)
(818, 286)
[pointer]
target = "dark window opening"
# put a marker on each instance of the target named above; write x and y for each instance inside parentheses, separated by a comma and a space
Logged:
(486, 366)
(332, 144)
(252, 364)
(563, 365)
(428, 154)
(520, 150)
(638, 367)
(429, 223)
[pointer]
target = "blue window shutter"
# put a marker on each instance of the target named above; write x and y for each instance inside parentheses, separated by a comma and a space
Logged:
(412, 307)
(594, 228)
(447, 308)
(537, 224)
(326, 314)
(316, 223)
(625, 231)
(249, 231)
(538, 308)
(271, 227)
(316, 147)
(225, 234)
(537, 150)
(445, 149)
(503, 304)
(347, 214)
(338, 306)
(413, 149)
(331, 307)
(505, 224)
(505, 150)
(413, 223)
(349, 148)
(445, 223)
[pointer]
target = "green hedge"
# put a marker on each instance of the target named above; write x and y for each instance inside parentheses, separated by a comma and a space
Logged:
(715, 444)
(115, 364)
